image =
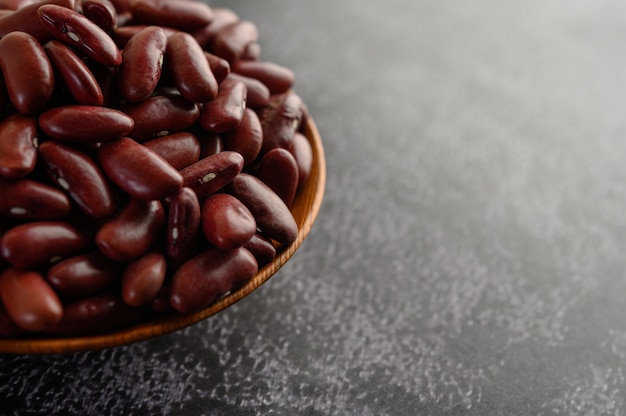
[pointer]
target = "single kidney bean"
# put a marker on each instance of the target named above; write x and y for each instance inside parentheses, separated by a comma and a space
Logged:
(278, 169)
(40, 243)
(179, 14)
(261, 248)
(133, 231)
(226, 222)
(18, 146)
(22, 60)
(252, 52)
(230, 41)
(25, 20)
(258, 94)
(280, 120)
(209, 175)
(76, 30)
(179, 149)
(221, 18)
(98, 313)
(225, 111)
(183, 226)
(270, 212)
(189, 68)
(277, 78)
(142, 279)
(160, 115)
(209, 275)
(247, 138)
(79, 176)
(101, 12)
(142, 61)
(29, 300)
(137, 170)
(303, 153)
(28, 199)
(83, 275)
(123, 33)
(85, 123)
(74, 73)
(219, 67)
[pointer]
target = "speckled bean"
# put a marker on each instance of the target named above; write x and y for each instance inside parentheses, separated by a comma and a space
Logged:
(209, 175)
(225, 111)
(28, 199)
(83, 275)
(18, 141)
(142, 279)
(85, 123)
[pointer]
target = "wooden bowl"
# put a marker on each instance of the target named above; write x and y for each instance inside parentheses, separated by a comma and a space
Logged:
(305, 209)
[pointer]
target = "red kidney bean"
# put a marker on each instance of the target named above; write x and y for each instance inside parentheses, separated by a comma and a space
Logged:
(76, 30)
(142, 279)
(122, 34)
(210, 144)
(209, 275)
(183, 226)
(219, 67)
(209, 175)
(230, 41)
(133, 231)
(161, 115)
(80, 177)
(252, 52)
(225, 111)
(142, 61)
(18, 146)
(221, 18)
(101, 12)
(161, 303)
(278, 169)
(258, 94)
(29, 300)
(83, 275)
(25, 20)
(261, 248)
(303, 153)
(22, 60)
(28, 199)
(137, 170)
(85, 123)
(75, 74)
(15, 4)
(121, 6)
(277, 78)
(280, 120)
(247, 138)
(179, 149)
(189, 68)
(98, 313)
(179, 14)
(40, 243)
(226, 222)
(272, 216)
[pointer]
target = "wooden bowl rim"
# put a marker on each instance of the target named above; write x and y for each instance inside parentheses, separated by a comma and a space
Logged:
(305, 209)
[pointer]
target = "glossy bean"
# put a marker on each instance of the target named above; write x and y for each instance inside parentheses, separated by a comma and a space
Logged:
(122, 34)
(277, 78)
(247, 138)
(212, 173)
(261, 248)
(179, 14)
(226, 222)
(225, 111)
(142, 279)
(258, 95)
(28, 199)
(22, 60)
(230, 41)
(208, 276)
(29, 300)
(133, 232)
(142, 61)
(161, 115)
(221, 18)
(40, 243)
(191, 73)
(272, 216)
(280, 120)
(303, 153)
(137, 170)
(77, 31)
(219, 67)
(83, 275)
(25, 20)
(183, 226)
(74, 74)
(179, 149)
(210, 144)
(101, 12)
(18, 146)
(79, 176)
(278, 169)
(85, 123)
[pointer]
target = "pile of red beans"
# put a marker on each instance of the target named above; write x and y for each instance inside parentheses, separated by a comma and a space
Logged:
(148, 160)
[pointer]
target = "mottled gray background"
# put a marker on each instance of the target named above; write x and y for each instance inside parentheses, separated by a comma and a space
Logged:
(469, 255)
